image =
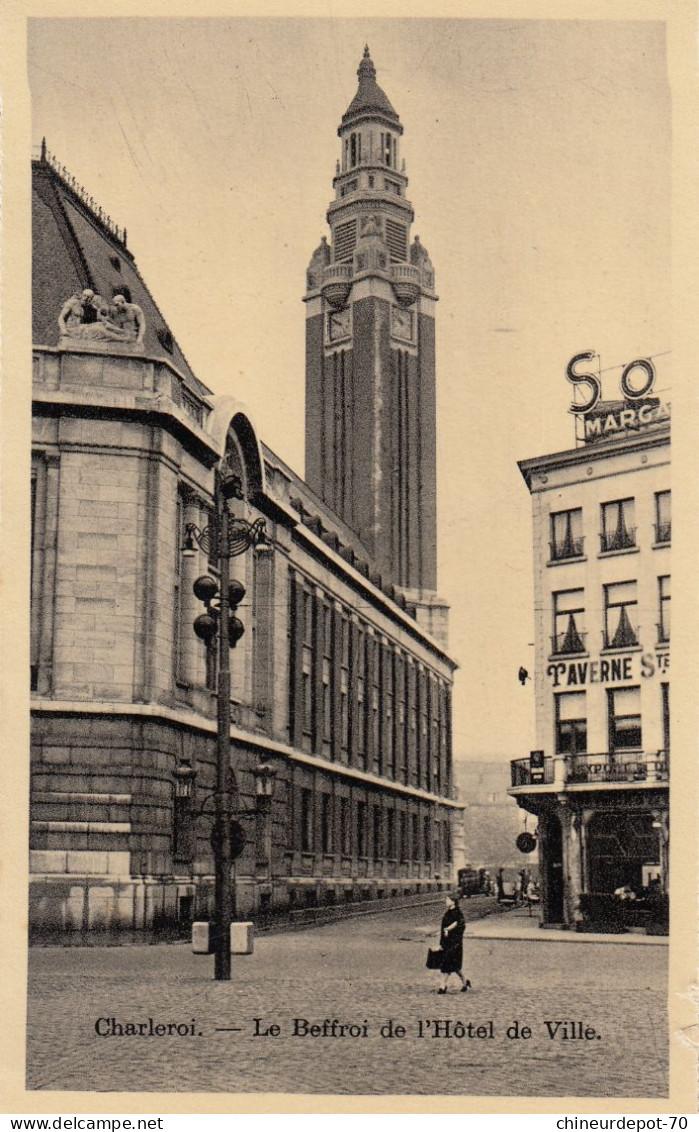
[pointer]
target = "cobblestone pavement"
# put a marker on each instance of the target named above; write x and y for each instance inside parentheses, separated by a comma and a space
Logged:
(366, 972)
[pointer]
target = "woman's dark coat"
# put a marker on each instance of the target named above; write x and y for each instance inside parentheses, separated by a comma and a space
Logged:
(452, 942)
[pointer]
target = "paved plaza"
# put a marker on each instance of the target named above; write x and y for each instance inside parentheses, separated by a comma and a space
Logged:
(368, 974)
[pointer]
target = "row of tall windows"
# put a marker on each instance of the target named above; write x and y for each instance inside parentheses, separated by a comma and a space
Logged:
(623, 720)
(621, 625)
(617, 530)
(387, 155)
(332, 825)
(357, 698)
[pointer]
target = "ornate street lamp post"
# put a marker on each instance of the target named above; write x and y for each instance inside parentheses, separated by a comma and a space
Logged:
(228, 537)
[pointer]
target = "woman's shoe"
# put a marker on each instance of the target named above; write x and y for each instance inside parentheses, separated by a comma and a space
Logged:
(466, 986)
(442, 990)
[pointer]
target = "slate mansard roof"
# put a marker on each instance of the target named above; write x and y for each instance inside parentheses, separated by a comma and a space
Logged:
(74, 246)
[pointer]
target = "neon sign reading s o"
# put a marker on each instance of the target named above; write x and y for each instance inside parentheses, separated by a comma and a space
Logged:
(592, 381)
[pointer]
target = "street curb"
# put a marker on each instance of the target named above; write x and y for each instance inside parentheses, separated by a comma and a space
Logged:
(351, 912)
(333, 914)
(483, 931)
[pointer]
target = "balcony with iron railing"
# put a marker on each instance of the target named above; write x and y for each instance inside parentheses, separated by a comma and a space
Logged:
(663, 532)
(619, 539)
(624, 636)
(566, 548)
(570, 643)
(607, 767)
(523, 775)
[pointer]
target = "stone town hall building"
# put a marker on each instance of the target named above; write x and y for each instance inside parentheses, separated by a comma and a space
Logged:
(342, 682)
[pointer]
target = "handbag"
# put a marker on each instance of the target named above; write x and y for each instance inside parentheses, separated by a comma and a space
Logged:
(435, 955)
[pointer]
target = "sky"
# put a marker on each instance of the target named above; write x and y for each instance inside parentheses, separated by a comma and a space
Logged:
(538, 155)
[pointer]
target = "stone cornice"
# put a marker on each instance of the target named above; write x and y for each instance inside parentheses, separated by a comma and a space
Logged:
(151, 409)
(252, 739)
(360, 202)
(654, 437)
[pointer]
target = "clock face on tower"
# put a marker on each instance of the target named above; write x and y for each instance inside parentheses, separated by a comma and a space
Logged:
(402, 324)
(339, 325)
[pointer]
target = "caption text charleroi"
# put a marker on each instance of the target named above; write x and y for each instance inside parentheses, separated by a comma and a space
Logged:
(556, 1029)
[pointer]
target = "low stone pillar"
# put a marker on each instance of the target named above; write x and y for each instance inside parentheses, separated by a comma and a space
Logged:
(572, 863)
(241, 938)
(542, 847)
(660, 820)
(586, 818)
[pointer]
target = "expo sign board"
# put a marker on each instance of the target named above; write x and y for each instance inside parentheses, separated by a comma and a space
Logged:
(628, 667)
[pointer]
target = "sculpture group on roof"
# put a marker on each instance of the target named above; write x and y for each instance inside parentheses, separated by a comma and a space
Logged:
(90, 318)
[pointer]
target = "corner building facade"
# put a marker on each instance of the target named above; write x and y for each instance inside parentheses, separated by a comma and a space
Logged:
(598, 782)
(341, 684)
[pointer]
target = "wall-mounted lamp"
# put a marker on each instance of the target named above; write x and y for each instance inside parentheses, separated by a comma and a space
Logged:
(264, 780)
(184, 777)
(192, 536)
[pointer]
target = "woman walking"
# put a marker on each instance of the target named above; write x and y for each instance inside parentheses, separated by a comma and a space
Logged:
(451, 941)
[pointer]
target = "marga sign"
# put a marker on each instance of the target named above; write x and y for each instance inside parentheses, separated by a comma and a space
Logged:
(638, 410)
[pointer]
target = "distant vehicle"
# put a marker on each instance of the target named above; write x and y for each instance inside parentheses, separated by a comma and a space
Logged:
(469, 881)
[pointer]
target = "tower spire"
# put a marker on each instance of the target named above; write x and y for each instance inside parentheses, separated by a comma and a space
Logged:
(366, 67)
(370, 98)
(370, 382)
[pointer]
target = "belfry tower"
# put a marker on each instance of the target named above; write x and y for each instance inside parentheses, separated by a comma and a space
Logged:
(370, 352)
